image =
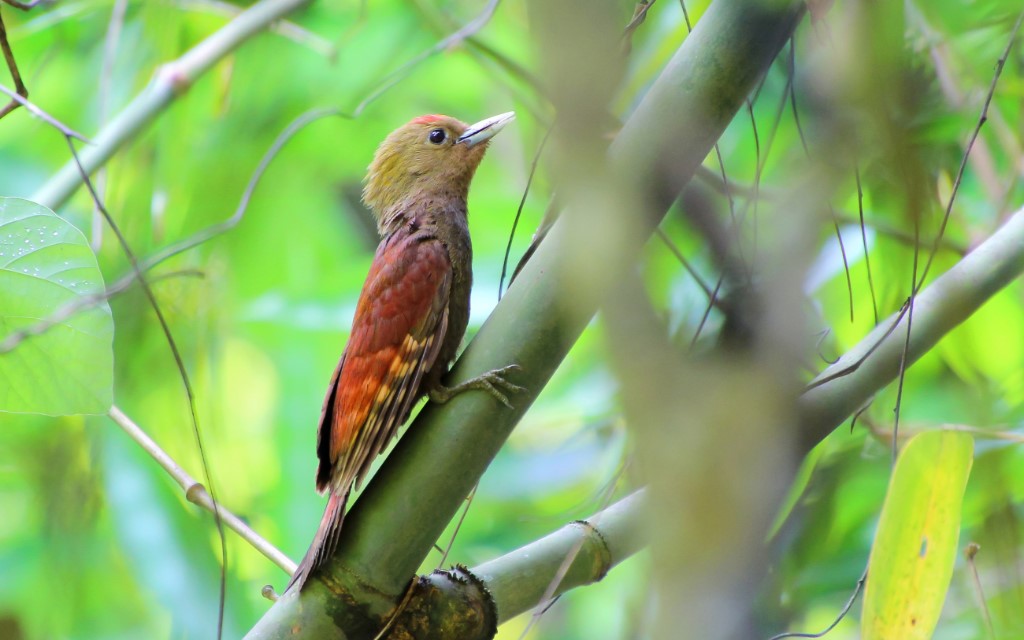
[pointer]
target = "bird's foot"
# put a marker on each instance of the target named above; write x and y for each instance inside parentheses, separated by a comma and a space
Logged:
(493, 382)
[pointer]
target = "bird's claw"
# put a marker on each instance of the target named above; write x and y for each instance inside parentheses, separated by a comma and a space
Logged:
(493, 382)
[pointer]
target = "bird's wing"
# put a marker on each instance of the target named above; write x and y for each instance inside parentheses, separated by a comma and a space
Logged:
(399, 325)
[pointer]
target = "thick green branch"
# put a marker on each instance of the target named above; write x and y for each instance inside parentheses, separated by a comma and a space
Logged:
(470, 603)
(519, 580)
(448, 447)
(405, 508)
(849, 383)
(172, 80)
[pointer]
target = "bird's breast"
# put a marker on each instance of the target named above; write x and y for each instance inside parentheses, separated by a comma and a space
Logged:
(460, 252)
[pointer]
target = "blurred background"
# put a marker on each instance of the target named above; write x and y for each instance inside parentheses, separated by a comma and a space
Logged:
(96, 541)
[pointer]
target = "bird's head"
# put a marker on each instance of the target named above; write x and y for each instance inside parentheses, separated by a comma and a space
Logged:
(431, 156)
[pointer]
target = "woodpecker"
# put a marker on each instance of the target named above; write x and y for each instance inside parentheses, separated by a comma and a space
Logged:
(412, 312)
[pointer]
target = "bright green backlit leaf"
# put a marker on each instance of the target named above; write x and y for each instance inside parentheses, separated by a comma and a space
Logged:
(45, 266)
(912, 559)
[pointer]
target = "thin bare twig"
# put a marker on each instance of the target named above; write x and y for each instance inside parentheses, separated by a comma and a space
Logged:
(970, 553)
(686, 265)
(194, 240)
(1008, 436)
(219, 228)
(977, 432)
(757, 162)
(916, 283)
(39, 113)
(901, 376)
(519, 209)
(458, 526)
(713, 302)
(856, 365)
(484, 52)
(807, 153)
(196, 493)
(864, 241)
(12, 65)
(639, 15)
(838, 619)
(396, 76)
(970, 144)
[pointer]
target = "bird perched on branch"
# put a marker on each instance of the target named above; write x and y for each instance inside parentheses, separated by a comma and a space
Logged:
(412, 312)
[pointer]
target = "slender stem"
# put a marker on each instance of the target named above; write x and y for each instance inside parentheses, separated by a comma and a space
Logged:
(196, 493)
(39, 113)
(12, 66)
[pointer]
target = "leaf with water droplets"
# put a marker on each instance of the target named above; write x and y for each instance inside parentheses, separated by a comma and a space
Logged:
(46, 268)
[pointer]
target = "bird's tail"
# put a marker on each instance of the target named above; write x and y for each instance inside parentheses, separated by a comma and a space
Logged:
(324, 542)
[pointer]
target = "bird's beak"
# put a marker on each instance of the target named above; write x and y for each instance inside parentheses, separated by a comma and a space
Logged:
(485, 129)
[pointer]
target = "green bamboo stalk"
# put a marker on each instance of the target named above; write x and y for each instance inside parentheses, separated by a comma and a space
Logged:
(171, 81)
(519, 580)
(448, 447)
(470, 603)
(406, 506)
(938, 309)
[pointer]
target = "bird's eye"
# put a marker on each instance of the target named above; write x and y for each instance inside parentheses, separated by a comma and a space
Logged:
(437, 136)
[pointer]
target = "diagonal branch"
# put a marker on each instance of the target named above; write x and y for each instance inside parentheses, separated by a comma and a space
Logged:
(171, 81)
(939, 308)
(19, 98)
(196, 493)
(447, 448)
(284, 28)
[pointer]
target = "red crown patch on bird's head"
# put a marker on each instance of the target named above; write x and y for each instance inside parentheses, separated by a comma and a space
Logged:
(432, 118)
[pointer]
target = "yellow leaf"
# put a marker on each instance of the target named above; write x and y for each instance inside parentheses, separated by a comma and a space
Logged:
(916, 544)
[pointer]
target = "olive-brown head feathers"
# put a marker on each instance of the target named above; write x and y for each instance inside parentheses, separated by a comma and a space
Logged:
(430, 156)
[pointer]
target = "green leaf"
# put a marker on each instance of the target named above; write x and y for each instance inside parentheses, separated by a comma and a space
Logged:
(46, 266)
(912, 559)
(797, 488)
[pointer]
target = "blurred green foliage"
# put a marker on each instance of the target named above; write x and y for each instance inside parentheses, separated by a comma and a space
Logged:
(96, 541)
